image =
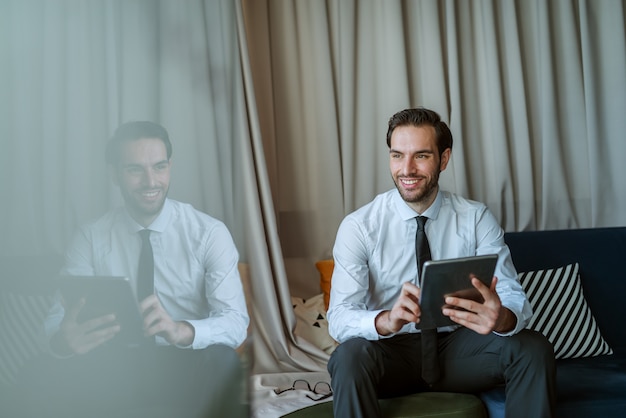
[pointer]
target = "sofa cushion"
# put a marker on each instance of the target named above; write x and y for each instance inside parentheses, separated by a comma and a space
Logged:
(561, 312)
(586, 387)
(591, 387)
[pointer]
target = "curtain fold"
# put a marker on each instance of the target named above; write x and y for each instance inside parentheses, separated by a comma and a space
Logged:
(275, 346)
(532, 90)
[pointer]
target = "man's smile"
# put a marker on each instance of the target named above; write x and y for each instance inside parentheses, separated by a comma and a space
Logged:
(410, 182)
(150, 195)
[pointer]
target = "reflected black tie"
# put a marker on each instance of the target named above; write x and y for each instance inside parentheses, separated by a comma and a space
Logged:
(430, 363)
(145, 273)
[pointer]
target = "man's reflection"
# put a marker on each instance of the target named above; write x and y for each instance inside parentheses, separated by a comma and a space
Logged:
(194, 312)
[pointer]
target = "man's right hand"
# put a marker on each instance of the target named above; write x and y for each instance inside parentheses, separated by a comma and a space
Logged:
(405, 310)
(80, 338)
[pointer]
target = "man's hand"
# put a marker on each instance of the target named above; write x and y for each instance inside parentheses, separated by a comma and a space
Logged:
(156, 321)
(483, 317)
(80, 338)
(405, 310)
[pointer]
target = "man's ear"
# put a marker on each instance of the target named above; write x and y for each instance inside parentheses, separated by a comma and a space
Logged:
(445, 159)
(113, 175)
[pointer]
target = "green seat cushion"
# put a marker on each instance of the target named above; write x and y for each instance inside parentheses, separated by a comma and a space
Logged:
(427, 404)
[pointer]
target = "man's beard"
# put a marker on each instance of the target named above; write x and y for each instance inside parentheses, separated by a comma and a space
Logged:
(136, 208)
(423, 194)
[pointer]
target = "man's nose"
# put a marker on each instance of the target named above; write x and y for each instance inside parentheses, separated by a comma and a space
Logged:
(408, 166)
(149, 178)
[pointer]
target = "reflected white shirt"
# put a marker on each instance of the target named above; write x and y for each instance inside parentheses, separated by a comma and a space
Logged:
(374, 255)
(195, 268)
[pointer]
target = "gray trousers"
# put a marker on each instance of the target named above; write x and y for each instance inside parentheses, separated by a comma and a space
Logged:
(362, 371)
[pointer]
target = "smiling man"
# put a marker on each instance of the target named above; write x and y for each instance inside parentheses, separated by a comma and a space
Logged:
(374, 301)
(193, 306)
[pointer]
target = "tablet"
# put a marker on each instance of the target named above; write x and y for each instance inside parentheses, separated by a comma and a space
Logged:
(105, 295)
(451, 277)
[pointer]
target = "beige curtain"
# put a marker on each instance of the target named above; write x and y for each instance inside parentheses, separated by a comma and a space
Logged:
(534, 92)
(275, 346)
(73, 70)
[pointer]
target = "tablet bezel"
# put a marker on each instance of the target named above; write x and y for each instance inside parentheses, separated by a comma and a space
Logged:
(441, 278)
(105, 295)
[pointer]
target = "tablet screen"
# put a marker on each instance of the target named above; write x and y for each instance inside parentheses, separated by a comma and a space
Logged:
(451, 277)
(105, 295)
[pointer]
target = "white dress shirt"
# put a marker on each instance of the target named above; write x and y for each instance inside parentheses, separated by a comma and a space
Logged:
(195, 268)
(374, 255)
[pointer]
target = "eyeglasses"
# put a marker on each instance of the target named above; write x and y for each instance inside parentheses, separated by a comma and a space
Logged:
(322, 389)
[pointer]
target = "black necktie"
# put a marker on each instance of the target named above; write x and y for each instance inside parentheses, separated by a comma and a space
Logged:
(430, 363)
(145, 273)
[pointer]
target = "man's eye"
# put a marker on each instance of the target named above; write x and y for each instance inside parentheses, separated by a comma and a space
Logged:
(133, 170)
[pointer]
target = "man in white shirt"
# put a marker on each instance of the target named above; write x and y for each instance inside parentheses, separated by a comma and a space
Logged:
(374, 295)
(194, 316)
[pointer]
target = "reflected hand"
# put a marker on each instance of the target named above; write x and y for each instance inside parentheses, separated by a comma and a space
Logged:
(156, 321)
(482, 317)
(80, 338)
(405, 310)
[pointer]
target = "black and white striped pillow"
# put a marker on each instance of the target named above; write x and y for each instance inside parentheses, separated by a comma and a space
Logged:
(561, 312)
(21, 328)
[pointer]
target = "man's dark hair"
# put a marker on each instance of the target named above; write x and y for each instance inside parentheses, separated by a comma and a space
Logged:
(419, 117)
(132, 131)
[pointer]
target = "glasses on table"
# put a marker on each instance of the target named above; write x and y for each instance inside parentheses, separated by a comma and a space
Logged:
(321, 389)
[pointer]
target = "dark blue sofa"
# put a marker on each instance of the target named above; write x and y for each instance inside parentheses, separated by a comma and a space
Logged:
(594, 386)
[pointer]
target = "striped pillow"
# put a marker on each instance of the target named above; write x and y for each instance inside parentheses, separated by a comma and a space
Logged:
(561, 312)
(21, 328)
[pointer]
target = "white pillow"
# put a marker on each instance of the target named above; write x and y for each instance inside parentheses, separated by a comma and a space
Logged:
(311, 322)
(561, 312)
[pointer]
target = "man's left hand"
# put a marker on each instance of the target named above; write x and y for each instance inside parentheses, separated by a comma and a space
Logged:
(156, 321)
(483, 317)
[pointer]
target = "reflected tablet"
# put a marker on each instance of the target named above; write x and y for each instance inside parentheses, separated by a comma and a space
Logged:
(452, 277)
(105, 295)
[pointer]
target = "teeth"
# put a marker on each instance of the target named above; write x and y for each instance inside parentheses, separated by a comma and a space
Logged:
(150, 194)
(405, 181)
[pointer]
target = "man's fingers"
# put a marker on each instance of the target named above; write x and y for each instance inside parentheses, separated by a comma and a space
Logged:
(148, 303)
(150, 319)
(98, 322)
(409, 288)
(485, 291)
(88, 341)
(74, 310)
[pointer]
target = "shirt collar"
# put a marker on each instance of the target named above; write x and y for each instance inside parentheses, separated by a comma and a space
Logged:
(158, 225)
(406, 213)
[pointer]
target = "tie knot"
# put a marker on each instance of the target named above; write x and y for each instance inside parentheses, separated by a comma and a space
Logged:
(145, 234)
(421, 221)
